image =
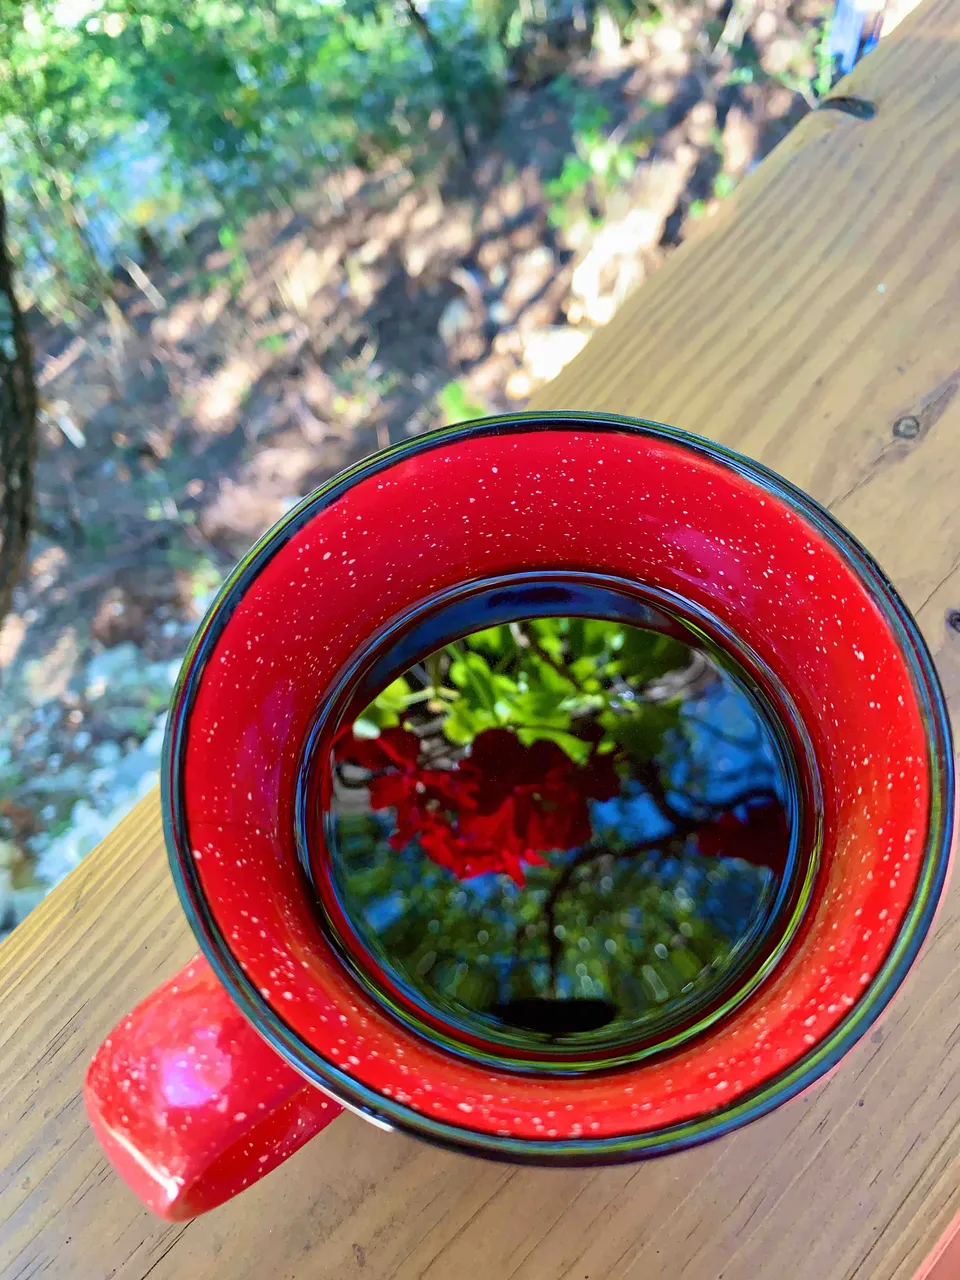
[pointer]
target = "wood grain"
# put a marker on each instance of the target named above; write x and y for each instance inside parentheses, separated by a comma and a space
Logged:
(819, 307)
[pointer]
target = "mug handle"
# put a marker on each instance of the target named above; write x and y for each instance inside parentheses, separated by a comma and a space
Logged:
(190, 1104)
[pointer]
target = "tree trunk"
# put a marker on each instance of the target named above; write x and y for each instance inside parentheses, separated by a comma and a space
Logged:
(18, 428)
(445, 73)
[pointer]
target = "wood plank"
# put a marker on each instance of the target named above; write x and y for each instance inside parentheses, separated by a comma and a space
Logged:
(821, 305)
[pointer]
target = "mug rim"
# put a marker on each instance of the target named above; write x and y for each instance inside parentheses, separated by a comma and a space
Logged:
(799, 1074)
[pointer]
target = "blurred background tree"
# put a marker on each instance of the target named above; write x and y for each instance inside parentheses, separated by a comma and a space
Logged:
(126, 121)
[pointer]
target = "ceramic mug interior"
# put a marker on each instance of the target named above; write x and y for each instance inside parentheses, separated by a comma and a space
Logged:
(303, 632)
(432, 916)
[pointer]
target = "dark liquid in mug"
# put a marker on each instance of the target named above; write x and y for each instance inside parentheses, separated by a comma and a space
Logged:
(563, 838)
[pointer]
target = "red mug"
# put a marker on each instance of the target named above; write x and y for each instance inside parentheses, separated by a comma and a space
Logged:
(402, 763)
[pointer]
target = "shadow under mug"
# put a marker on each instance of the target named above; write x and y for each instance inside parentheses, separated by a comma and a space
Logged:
(256, 1045)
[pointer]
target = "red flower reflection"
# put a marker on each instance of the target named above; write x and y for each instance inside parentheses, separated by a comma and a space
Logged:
(761, 837)
(501, 807)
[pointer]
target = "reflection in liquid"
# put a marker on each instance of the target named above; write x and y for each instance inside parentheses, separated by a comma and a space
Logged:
(561, 836)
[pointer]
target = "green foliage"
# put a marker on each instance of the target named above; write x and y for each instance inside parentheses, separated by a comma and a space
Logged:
(386, 711)
(456, 405)
(60, 104)
(602, 160)
(123, 123)
(813, 56)
(826, 70)
(469, 948)
(547, 678)
(203, 576)
(237, 270)
(123, 116)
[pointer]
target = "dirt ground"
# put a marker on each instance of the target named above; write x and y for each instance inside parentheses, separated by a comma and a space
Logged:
(383, 305)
